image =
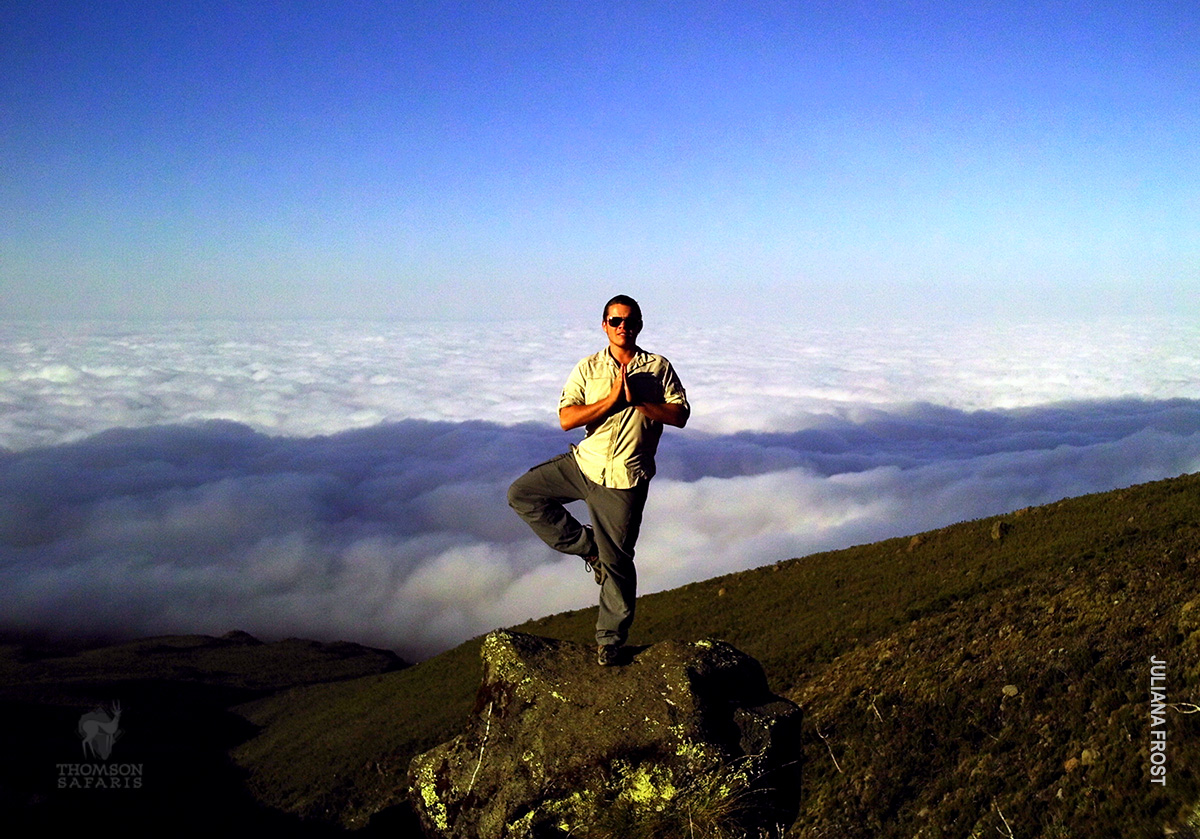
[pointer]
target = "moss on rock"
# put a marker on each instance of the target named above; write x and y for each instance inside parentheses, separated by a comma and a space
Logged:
(557, 746)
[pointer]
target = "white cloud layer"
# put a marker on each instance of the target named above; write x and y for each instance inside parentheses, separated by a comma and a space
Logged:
(61, 382)
(347, 480)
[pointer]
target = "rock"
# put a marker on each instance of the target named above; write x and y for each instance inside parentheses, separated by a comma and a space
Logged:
(238, 636)
(683, 734)
(1010, 690)
(1000, 529)
(915, 542)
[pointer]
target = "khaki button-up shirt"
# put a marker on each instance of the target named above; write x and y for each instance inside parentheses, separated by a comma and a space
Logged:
(618, 451)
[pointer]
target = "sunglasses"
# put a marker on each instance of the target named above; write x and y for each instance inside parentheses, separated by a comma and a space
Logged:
(630, 323)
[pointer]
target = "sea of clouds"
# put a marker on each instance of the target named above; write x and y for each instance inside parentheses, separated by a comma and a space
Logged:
(347, 480)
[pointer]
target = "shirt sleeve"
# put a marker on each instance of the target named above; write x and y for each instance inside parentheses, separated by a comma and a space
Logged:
(673, 392)
(573, 392)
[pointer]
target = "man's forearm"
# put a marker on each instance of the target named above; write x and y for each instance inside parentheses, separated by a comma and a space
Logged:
(576, 416)
(669, 413)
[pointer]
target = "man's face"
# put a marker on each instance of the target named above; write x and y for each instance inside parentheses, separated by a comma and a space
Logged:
(625, 333)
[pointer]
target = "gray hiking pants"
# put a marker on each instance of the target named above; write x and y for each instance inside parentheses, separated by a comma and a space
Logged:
(539, 497)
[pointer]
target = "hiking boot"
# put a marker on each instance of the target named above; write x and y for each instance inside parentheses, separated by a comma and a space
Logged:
(609, 655)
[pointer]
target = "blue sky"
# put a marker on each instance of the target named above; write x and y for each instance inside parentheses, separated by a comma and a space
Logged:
(484, 160)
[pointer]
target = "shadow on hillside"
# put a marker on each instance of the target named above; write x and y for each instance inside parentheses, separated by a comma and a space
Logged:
(138, 734)
(171, 765)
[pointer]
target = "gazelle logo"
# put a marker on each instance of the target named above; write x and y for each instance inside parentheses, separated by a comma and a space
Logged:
(100, 730)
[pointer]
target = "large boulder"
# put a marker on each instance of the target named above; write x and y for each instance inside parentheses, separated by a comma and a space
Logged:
(684, 739)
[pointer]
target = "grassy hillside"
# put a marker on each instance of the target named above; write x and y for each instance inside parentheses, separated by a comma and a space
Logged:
(991, 675)
(340, 752)
(1025, 709)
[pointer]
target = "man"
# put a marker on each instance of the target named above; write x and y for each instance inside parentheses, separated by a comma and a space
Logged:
(622, 396)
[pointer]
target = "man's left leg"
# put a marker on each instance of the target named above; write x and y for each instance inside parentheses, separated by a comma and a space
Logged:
(617, 518)
(539, 497)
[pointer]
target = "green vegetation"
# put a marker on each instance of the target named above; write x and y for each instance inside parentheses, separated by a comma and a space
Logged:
(988, 678)
(710, 807)
(341, 751)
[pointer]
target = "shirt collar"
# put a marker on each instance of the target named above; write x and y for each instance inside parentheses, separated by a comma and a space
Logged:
(637, 354)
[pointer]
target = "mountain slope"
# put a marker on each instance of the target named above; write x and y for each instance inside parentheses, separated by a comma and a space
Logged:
(989, 675)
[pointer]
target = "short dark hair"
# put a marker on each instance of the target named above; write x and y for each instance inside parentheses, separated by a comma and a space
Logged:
(624, 300)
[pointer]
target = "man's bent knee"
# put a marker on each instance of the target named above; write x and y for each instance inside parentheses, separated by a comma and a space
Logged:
(518, 496)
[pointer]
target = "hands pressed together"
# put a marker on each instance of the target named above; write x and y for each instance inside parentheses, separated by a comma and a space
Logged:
(619, 397)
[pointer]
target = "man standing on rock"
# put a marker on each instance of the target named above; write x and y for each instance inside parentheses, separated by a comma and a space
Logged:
(622, 396)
